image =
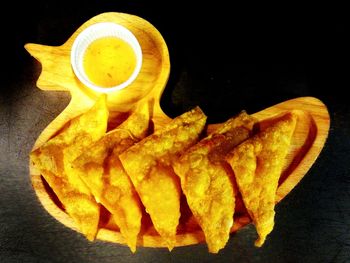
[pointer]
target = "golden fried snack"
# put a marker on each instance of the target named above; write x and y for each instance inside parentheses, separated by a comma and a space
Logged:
(148, 163)
(257, 164)
(101, 170)
(54, 159)
(207, 182)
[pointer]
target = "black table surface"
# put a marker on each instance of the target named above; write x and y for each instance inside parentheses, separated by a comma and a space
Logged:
(224, 59)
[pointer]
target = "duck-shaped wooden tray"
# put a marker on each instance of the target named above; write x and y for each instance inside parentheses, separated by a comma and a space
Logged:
(57, 74)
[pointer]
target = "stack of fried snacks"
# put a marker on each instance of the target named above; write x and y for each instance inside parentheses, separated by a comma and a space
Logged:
(131, 172)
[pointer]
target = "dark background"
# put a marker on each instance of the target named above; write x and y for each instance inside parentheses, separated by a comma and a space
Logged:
(224, 58)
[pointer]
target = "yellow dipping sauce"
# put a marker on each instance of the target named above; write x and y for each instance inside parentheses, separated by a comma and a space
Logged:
(109, 61)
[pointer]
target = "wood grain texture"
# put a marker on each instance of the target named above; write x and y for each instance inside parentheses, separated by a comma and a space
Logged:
(308, 139)
(57, 73)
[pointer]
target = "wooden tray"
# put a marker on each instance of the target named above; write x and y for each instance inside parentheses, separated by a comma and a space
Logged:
(308, 139)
